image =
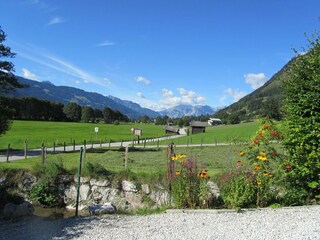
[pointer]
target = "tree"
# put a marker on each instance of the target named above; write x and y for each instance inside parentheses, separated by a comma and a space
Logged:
(87, 114)
(72, 111)
(7, 82)
(302, 109)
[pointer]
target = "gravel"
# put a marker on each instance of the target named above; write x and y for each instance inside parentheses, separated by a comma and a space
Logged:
(282, 223)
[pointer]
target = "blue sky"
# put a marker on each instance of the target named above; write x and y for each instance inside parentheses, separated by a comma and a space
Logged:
(158, 53)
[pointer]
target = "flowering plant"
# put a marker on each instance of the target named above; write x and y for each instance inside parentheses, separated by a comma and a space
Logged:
(262, 160)
(187, 183)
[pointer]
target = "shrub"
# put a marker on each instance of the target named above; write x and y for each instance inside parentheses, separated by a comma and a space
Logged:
(302, 97)
(238, 189)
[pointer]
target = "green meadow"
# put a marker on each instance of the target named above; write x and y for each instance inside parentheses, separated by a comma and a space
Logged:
(59, 133)
(143, 161)
(37, 132)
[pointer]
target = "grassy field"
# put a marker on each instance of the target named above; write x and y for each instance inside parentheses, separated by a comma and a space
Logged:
(145, 162)
(36, 132)
(219, 134)
(148, 162)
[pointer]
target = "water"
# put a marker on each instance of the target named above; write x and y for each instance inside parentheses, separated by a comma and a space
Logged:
(57, 213)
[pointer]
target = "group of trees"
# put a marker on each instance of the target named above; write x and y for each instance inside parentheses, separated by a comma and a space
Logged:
(30, 108)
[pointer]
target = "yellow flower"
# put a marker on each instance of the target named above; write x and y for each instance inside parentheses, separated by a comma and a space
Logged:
(178, 173)
(241, 153)
(262, 158)
(267, 174)
(259, 182)
(264, 154)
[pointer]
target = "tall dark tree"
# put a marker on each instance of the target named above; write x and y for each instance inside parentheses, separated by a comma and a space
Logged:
(72, 111)
(7, 82)
(87, 114)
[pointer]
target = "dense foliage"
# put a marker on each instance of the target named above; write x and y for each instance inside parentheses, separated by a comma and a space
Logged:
(30, 108)
(7, 82)
(302, 98)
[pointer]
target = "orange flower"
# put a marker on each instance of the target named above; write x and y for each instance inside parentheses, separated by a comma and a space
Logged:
(257, 167)
(288, 168)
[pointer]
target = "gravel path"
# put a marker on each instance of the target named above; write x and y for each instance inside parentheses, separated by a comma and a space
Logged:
(284, 223)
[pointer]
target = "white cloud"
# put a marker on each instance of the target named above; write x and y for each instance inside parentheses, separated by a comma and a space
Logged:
(190, 97)
(184, 97)
(55, 20)
(29, 75)
(106, 80)
(255, 80)
(235, 94)
(60, 65)
(140, 95)
(105, 43)
(143, 80)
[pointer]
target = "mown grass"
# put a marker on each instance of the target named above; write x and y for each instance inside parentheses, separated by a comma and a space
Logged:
(218, 134)
(37, 132)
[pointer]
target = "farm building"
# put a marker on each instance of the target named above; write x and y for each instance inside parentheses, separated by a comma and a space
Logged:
(214, 121)
(198, 127)
(171, 129)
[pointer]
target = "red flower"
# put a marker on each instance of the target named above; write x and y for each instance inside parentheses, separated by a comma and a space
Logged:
(255, 141)
(260, 134)
(273, 133)
(265, 127)
(288, 168)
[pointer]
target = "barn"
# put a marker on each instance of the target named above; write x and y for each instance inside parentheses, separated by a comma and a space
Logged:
(198, 127)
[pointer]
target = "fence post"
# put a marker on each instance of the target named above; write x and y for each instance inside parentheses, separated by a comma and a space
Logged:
(109, 142)
(8, 152)
(64, 146)
(74, 145)
(78, 185)
(54, 147)
(100, 142)
(42, 153)
(25, 149)
(84, 149)
(126, 158)
(144, 144)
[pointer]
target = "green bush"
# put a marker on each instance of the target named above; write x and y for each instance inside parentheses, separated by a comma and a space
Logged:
(302, 142)
(238, 190)
(44, 193)
(45, 190)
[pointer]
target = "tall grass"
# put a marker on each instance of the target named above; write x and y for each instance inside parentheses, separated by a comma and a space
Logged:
(148, 163)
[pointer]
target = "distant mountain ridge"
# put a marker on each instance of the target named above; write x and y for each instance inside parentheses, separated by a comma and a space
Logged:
(48, 91)
(63, 94)
(188, 110)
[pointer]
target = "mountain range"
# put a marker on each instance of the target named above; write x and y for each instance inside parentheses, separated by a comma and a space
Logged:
(47, 91)
(266, 100)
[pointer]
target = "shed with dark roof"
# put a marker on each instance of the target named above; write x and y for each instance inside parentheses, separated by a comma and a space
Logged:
(198, 127)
